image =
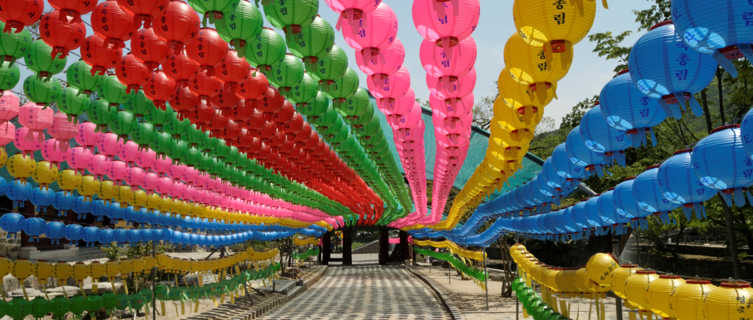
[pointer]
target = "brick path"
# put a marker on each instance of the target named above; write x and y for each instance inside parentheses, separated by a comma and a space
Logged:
(364, 292)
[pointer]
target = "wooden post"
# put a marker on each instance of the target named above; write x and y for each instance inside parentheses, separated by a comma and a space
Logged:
(326, 248)
(347, 244)
(384, 246)
(486, 282)
(731, 237)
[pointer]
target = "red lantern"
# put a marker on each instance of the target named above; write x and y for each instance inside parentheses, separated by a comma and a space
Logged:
(219, 121)
(180, 67)
(253, 86)
(231, 131)
(285, 113)
(295, 125)
(132, 72)
(184, 99)
(207, 48)
(113, 22)
(255, 119)
(178, 23)
(206, 85)
(205, 114)
(149, 47)
(232, 68)
(143, 10)
(73, 9)
(60, 34)
(159, 88)
(99, 55)
(226, 98)
(20, 13)
(243, 111)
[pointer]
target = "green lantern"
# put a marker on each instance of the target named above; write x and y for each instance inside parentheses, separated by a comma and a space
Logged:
(359, 121)
(144, 134)
(343, 87)
(330, 65)
(354, 105)
(140, 104)
(38, 58)
(159, 117)
(240, 24)
(109, 302)
(124, 123)
(13, 45)
(101, 112)
(162, 143)
(112, 90)
(286, 73)
(9, 75)
(79, 75)
(72, 102)
(40, 307)
(42, 90)
(303, 91)
(313, 41)
(59, 306)
(19, 308)
(315, 108)
(194, 136)
(290, 15)
(266, 49)
(179, 151)
(214, 9)
(193, 156)
(329, 118)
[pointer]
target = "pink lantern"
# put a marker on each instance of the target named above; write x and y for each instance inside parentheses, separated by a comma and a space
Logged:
(52, 151)
(100, 165)
(28, 141)
(457, 107)
(36, 118)
(87, 134)
(9, 105)
(147, 158)
(165, 186)
(129, 152)
(151, 181)
(62, 130)
(135, 176)
(352, 9)
(79, 158)
(446, 22)
(446, 87)
(162, 165)
(391, 86)
(109, 144)
(448, 61)
(372, 31)
(387, 61)
(118, 171)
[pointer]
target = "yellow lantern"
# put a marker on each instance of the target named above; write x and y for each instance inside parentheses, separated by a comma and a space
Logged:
(126, 267)
(503, 112)
(98, 270)
(730, 300)
(44, 271)
(501, 129)
(660, 294)
(113, 269)
(154, 201)
(600, 269)
(567, 280)
(69, 180)
(516, 94)
(549, 277)
(166, 205)
(535, 67)
(22, 269)
(124, 196)
(545, 23)
(81, 271)
(636, 288)
(620, 277)
(687, 303)
(108, 191)
(3, 157)
(140, 199)
(21, 166)
(63, 271)
(6, 266)
(45, 173)
(89, 186)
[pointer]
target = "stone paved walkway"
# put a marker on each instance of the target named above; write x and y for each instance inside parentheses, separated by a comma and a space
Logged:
(365, 292)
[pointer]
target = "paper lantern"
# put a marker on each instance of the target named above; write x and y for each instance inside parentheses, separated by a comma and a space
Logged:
(112, 22)
(330, 66)
(636, 288)
(9, 75)
(20, 166)
(42, 91)
(679, 184)
(393, 86)
(304, 91)
(132, 72)
(534, 66)
(450, 61)
(206, 85)
(61, 35)
(177, 23)
(79, 75)
(9, 105)
(373, 31)
(99, 55)
(625, 203)
(266, 49)
(39, 59)
(582, 156)
(72, 101)
(627, 109)
(112, 90)
(45, 173)
(213, 9)
(451, 87)
(18, 14)
(721, 163)
(286, 73)
(207, 48)
(232, 68)
(647, 194)
(728, 301)
(345, 86)
(13, 45)
(315, 108)
(291, 16)
(446, 22)
(553, 24)
(149, 47)
(662, 66)
(351, 10)
(180, 67)
(660, 293)
(563, 166)
(159, 88)
(386, 62)
(239, 24)
(602, 138)
(313, 40)
(687, 300)
(144, 10)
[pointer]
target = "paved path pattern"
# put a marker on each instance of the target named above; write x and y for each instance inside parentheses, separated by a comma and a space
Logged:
(365, 292)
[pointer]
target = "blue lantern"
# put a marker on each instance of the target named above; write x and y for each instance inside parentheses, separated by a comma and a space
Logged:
(63, 202)
(34, 227)
(115, 212)
(41, 198)
(19, 192)
(134, 236)
(73, 232)
(608, 209)
(120, 235)
(11, 223)
(679, 184)
(627, 109)
(563, 166)
(746, 129)
(81, 207)
(582, 156)
(721, 28)
(649, 197)
(721, 163)
(89, 235)
(55, 231)
(601, 138)
(105, 236)
(99, 209)
(625, 203)
(593, 214)
(662, 66)
(4, 186)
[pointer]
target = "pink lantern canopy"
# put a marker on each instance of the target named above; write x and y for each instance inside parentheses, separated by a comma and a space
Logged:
(372, 31)
(87, 134)
(452, 87)
(448, 61)
(387, 61)
(392, 86)
(35, 118)
(79, 158)
(9, 105)
(62, 130)
(109, 144)
(100, 165)
(352, 9)
(446, 22)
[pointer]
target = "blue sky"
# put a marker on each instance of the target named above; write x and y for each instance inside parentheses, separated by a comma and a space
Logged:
(589, 73)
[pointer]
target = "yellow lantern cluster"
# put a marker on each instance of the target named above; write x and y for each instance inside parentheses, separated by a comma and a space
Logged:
(23, 166)
(536, 58)
(453, 247)
(308, 241)
(667, 296)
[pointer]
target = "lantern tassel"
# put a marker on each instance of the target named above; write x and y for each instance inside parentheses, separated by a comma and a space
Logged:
(725, 63)
(695, 106)
(727, 198)
(740, 197)
(671, 110)
(653, 136)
